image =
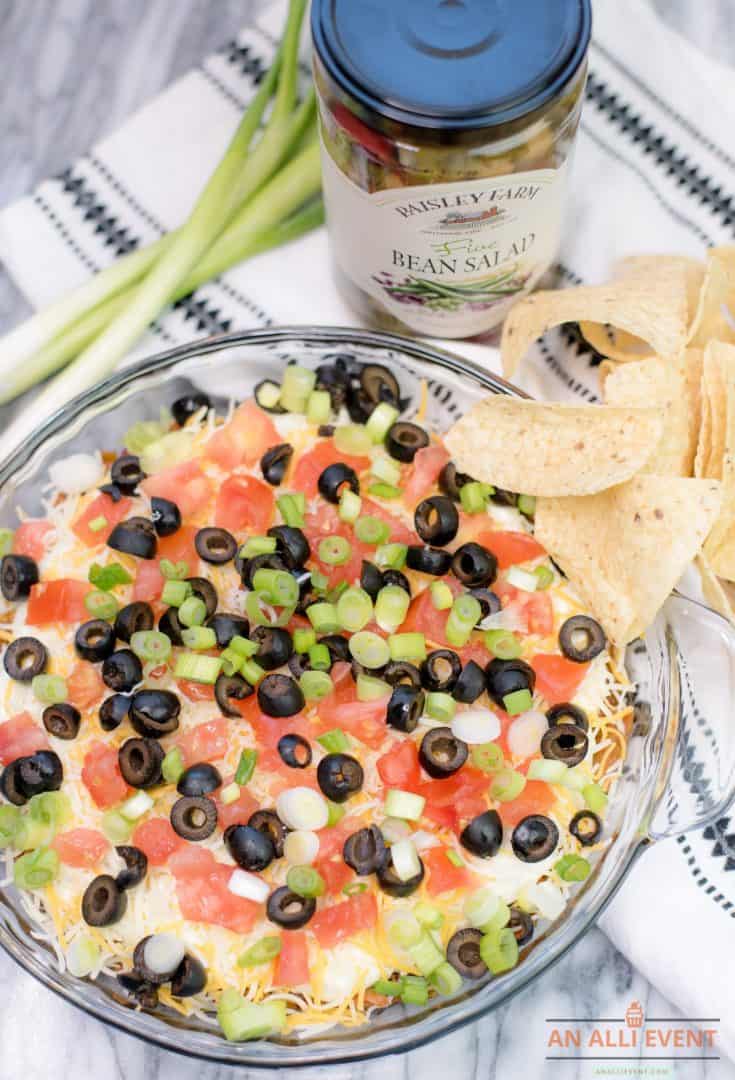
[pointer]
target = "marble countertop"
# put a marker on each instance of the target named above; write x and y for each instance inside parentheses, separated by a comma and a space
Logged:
(72, 71)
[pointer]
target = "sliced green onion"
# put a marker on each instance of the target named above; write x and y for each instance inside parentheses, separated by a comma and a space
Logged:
(298, 383)
(576, 779)
(507, 785)
(522, 579)
(404, 931)
(335, 812)
(391, 607)
(454, 858)
(371, 689)
(426, 954)
(411, 647)
(387, 470)
(440, 706)
(335, 741)
(488, 757)
(261, 612)
(350, 506)
(246, 767)
(145, 432)
(172, 766)
(462, 619)
(173, 448)
(136, 806)
(319, 581)
(354, 609)
(380, 421)
(258, 545)
(303, 639)
(428, 915)
(243, 646)
(49, 689)
(572, 868)
(151, 645)
(527, 505)
(83, 956)
(353, 439)
(319, 407)
(242, 1020)
(334, 550)
(316, 685)
(6, 541)
(334, 593)
(404, 804)
(194, 668)
(473, 497)
(518, 702)
(36, 869)
(483, 908)
(51, 809)
(193, 611)
(499, 950)
(369, 649)
(384, 491)
(276, 587)
(545, 577)
(174, 571)
(503, 644)
(101, 605)
(292, 510)
(442, 596)
(199, 638)
(231, 661)
(323, 617)
(176, 592)
(551, 772)
(262, 952)
(446, 980)
(229, 794)
(384, 987)
(11, 824)
(107, 577)
(251, 671)
(391, 556)
(305, 881)
(371, 530)
(595, 798)
(97, 524)
(415, 990)
(116, 828)
(319, 658)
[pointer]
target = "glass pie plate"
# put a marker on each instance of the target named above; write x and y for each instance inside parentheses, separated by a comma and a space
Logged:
(679, 772)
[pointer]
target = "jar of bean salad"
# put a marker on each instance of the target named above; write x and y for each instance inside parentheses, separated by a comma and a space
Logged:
(447, 131)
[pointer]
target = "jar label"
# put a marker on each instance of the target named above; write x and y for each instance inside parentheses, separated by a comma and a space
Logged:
(447, 259)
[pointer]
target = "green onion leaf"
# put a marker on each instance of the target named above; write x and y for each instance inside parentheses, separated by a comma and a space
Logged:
(193, 611)
(391, 607)
(97, 524)
(350, 505)
(172, 766)
(371, 689)
(462, 619)
(384, 491)
(391, 556)
(107, 577)
(262, 952)
(292, 510)
(319, 407)
(335, 741)
(174, 571)
(6, 541)
(499, 950)
(353, 439)
(527, 505)
(488, 757)
(246, 767)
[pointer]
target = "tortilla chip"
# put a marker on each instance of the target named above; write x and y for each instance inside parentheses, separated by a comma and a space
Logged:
(720, 546)
(659, 382)
(624, 549)
(540, 448)
(693, 367)
(651, 307)
(715, 316)
(719, 594)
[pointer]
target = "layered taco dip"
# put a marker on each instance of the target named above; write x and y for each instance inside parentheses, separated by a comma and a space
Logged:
(299, 720)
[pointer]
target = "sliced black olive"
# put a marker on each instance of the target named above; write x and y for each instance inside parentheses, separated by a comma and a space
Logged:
(134, 618)
(113, 711)
(188, 405)
(62, 720)
(126, 473)
(190, 978)
(275, 647)
(17, 574)
(483, 835)
(194, 817)
(474, 565)
(428, 560)
(333, 479)
(437, 521)
(136, 866)
(40, 772)
(269, 823)
(338, 645)
(534, 838)
(154, 713)
(215, 545)
(470, 684)
(140, 967)
(401, 673)
(112, 490)
(451, 481)
(336, 381)
(441, 753)
(371, 579)
(291, 545)
(25, 658)
(307, 593)
(266, 395)
(169, 625)
(294, 750)
(140, 762)
(199, 779)
(581, 639)
(566, 743)
(339, 776)
(521, 924)
(504, 498)
(136, 536)
(326, 431)
(227, 626)
(404, 440)
(463, 953)
(229, 688)
(566, 713)
(10, 784)
(280, 695)
(274, 463)
(103, 902)
(365, 851)
(391, 884)
(440, 671)
(359, 405)
(165, 515)
(141, 991)
(252, 849)
(585, 827)
(395, 577)
(489, 602)
(288, 909)
(95, 640)
(122, 670)
(299, 663)
(206, 592)
(378, 384)
(405, 708)
(505, 677)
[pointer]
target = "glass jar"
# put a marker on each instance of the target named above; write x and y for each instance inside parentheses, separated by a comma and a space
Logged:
(447, 134)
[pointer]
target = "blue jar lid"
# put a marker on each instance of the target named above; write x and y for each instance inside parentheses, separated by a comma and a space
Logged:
(449, 64)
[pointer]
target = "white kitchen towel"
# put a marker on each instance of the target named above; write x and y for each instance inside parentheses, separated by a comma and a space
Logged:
(653, 173)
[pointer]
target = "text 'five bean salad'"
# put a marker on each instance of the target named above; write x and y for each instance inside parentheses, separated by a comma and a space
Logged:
(299, 722)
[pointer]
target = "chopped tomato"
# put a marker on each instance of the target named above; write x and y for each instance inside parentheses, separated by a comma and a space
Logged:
(444, 876)
(280, 775)
(157, 840)
(244, 502)
(475, 651)
(336, 873)
(21, 736)
(180, 547)
(312, 464)
(400, 533)
(325, 522)
(458, 798)
(244, 439)
(184, 484)
(201, 889)
(400, 768)
(292, 964)
(510, 548)
(85, 686)
(102, 777)
(424, 618)
(57, 601)
(103, 506)
(363, 719)
(536, 798)
(424, 474)
(269, 729)
(237, 812)
(557, 679)
(31, 538)
(195, 691)
(344, 920)
(82, 848)
(205, 742)
(332, 839)
(534, 609)
(149, 581)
